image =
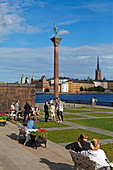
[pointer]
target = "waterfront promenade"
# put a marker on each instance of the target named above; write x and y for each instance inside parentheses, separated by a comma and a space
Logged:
(14, 155)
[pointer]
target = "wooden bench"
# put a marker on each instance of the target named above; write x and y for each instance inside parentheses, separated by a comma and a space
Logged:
(26, 133)
(84, 163)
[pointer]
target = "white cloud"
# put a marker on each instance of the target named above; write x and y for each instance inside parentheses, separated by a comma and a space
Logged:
(61, 32)
(39, 61)
(11, 17)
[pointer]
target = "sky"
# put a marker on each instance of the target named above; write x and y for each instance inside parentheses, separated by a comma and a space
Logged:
(26, 27)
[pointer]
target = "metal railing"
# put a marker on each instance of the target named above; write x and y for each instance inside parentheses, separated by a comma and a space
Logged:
(100, 103)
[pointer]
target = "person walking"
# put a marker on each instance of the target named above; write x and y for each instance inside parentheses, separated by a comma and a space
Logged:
(46, 111)
(27, 110)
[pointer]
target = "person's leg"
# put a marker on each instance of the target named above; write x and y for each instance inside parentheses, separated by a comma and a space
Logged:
(45, 117)
(62, 116)
(24, 117)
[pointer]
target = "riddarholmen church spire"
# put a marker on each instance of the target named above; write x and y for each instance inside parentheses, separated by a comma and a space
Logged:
(98, 71)
(98, 63)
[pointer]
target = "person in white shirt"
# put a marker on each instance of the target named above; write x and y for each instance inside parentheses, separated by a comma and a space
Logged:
(97, 155)
(17, 107)
(12, 111)
(52, 109)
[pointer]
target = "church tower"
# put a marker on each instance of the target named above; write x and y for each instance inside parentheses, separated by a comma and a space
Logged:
(98, 71)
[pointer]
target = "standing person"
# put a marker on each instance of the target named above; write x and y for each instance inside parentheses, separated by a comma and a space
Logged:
(97, 155)
(93, 101)
(27, 109)
(52, 109)
(80, 145)
(51, 101)
(46, 111)
(12, 111)
(17, 107)
(61, 110)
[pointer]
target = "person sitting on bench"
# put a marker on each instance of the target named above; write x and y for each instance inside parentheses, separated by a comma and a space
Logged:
(97, 155)
(31, 124)
(81, 145)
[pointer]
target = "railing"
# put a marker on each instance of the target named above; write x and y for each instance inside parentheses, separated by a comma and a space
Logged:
(100, 103)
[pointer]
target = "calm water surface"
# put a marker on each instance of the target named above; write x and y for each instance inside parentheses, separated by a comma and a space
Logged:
(41, 98)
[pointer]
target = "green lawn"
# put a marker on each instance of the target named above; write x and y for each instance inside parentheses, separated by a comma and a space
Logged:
(76, 111)
(99, 114)
(103, 123)
(108, 148)
(70, 135)
(49, 124)
(72, 116)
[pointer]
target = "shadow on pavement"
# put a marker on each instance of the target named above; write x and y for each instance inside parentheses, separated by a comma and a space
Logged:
(56, 166)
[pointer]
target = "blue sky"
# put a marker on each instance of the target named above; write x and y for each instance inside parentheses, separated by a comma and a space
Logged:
(26, 26)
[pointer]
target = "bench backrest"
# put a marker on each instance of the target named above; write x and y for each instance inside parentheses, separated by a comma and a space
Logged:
(82, 161)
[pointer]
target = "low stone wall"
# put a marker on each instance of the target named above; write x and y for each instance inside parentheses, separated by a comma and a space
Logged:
(12, 92)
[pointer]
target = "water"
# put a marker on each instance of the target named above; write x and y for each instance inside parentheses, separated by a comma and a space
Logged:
(41, 98)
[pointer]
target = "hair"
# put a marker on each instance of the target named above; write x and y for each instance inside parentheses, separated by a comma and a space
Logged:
(82, 136)
(29, 118)
(96, 144)
(34, 119)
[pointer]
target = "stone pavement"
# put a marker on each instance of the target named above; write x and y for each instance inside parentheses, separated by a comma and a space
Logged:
(16, 156)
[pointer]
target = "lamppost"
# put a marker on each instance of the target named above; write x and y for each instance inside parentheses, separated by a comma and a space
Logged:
(56, 40)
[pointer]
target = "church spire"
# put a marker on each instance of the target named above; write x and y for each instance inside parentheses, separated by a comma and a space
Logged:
(98, 71)
(98, 63)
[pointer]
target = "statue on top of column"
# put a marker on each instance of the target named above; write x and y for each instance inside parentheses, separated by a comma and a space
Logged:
(56, 30)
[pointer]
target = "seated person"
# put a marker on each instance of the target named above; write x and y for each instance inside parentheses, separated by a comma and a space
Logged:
(82, 144)
(31, 124)
(97, 155)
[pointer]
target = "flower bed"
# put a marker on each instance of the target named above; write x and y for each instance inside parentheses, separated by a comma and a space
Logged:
(39, 137)
(40, 134)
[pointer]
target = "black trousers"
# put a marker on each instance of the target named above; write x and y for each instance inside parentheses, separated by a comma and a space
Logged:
(25, 115)
(46, 116)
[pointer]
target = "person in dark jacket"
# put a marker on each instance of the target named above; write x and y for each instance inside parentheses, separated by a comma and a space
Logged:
(46, 111)
(80, 145)
(27, 111)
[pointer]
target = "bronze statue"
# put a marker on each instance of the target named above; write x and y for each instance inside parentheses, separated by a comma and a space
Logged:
(55, 29)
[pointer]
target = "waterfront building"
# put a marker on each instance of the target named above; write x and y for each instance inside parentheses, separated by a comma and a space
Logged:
(41, 84)
(75, 85)
(102, 83)
(64, 87)
(110, 85)
(61, 80)
(98, 71)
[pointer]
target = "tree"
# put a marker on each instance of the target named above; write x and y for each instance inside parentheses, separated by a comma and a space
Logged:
(81, 88)
(47, 90)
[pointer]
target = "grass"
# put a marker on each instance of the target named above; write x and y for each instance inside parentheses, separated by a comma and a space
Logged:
(108, 148)
(76, 111)
(49, 124)
(99, 114)
(70, 135)
(71, 116)
(103, 123)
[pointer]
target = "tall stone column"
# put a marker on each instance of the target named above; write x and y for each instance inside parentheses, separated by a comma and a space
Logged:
(56, 41)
